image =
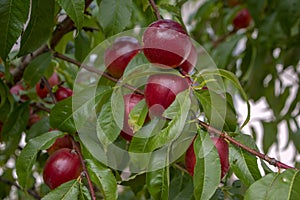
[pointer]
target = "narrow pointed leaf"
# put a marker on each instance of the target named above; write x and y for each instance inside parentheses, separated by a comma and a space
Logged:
(66, 191)
(13, 15)
(28, 155)
(39, 27)
(104, 178)
(207, 171)
(244, 164)
(75, 10)
(115, 15)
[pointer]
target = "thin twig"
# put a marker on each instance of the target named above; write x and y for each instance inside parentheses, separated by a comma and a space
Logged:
(154, 6)
(33, 193)
(49, 88)
(224, 135)
(77, 148)
(41, 107)
(222, 39)
(97, 71)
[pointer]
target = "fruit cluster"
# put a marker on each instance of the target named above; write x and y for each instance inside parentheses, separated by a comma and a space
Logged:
(63, 163)
(167, 46)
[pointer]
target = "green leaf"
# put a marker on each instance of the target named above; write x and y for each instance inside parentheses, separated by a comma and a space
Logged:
(288, 14)
(175, 127)
(107, 128)
(234, 80)
(207, 171)
(138, 115)
(84, 193)
(243, 164)
(75, 10)
(39, 27)
(37, 129)
(82, 46)
(13, 15)
(276, 186)
(35, 70)
(181, 187)
(158, 183)
(66, 191)
(16, 123)
(218, 110)
(115, 15)
(61, 116)
(104, 178)
(28, 155)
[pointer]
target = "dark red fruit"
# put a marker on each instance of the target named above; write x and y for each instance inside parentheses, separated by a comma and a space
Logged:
(63, 93)
(242, 19)
(222, 148)
(117, 57)
(161, 91)
(41, 89)
(62, 142)
(130, 100)
(233, 3)
(33, 118)
(190, 63)
(166, 43)
(62, 166)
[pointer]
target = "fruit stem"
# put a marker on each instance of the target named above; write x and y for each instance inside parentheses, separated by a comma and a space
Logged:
(77, 148)
(49, 88)
(155, 8)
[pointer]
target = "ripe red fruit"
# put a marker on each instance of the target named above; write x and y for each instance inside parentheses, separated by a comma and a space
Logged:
(190, 63)
(242, 19)
(62, 166)
(130, 100)
(63, 93)
(161, 90)
(117, 57)
(62, 142)
(166, 43)
(41, 89)
(222, 148)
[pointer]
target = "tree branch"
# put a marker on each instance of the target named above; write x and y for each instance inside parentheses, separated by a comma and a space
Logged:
(77, 148)
(95, 70)
(224, 135)
(49, 88)
(155, 8)
(33, 193)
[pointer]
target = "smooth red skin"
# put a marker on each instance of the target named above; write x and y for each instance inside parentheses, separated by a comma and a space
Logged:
(63, 93)
(190, 63)
(62, 166)
(161, 90)
(62, 142)
(130, 100)
(223, 151)
(117, 57)
(41, 90)
(242, 19)
(166, 43)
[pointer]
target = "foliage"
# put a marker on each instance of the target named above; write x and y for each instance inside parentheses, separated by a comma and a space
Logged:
(253, 63)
